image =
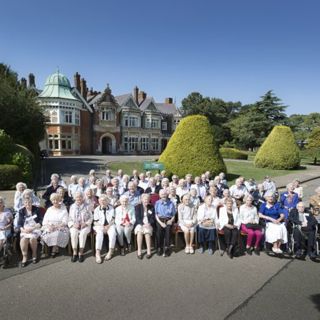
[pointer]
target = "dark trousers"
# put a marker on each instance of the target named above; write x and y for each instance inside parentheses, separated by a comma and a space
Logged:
(231, 236)
(300, 236)
(163, 235)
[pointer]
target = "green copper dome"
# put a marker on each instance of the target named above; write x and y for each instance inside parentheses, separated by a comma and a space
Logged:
(57, 86)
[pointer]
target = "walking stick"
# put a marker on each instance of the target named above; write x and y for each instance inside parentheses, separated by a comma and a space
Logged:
(218, 241)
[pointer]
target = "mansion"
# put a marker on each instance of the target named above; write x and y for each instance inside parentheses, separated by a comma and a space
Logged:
(81, 121)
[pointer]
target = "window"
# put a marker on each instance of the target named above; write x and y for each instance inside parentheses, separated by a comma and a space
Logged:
(67, 116)
(144, 144)
(77, 117)
(66, 142)
(53, 142)
(155, 124)
(47, 116)
(155, 144)
(106, 115)
(131, 143)
(54, 117)
(164, 126)
(148, 123)
(131, 121)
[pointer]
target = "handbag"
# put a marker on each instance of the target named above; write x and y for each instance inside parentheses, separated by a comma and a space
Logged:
(254, 226)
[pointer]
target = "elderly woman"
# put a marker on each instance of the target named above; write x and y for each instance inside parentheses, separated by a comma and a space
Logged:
(133, 194)
(18, 200)
(174, 181)
(229, 222)
(124, 220)
(213, 192)
(55, 225)
(80, 220)
(103, 220)
(194, 199)
(5, 223)
(112, 199)
(145, 219)
(90, 199)
(238, 191)
(174, 197)
(289, 200)
(187, 220)
(72, 187)
(65, 199)
(297, 188)
(182, 188)
(165, 184)
(52, 188)
(29, 225)
(276, 232)
(100, 189)
(207, 218)
(249, 219)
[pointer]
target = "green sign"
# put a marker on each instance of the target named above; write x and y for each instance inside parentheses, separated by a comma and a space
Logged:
(153, 165)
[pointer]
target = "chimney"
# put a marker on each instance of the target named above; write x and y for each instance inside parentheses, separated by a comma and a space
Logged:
(168, 101)
(141, 97)
(83, 88)
(136, 94)
(77, 81)
(32, 83)
(23, 82)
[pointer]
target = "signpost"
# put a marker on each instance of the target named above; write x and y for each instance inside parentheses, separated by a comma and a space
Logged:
(148, 165)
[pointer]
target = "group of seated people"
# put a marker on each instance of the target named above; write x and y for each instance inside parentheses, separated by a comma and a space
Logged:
(144, 204)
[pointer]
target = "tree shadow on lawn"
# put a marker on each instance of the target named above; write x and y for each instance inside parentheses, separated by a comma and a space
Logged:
(315, 298)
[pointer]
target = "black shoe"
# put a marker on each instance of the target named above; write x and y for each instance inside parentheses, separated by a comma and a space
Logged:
(312, 255)
(23, 264)
(129, 247)
(34, 260)
(81, 258)
(148, 256)
(139, 256)
(249, 251)
(53, 255)
(159, 252)
(122, 252)
(257, 251)
(74, 258)
(166, 252)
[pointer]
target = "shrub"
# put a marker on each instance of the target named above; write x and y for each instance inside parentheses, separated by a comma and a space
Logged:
(6, 147)
(10, 175)
(232, 153)
(192, 149)
(24, 162)
(279, 150)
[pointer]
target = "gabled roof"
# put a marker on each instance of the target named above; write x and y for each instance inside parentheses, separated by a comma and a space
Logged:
(126, 100)
(167, 108)
(149, 104)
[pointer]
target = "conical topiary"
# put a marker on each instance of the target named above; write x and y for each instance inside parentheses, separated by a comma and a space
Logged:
(279, 150)
(192, 149)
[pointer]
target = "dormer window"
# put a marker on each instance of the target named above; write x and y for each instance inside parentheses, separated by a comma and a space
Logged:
(106, 115)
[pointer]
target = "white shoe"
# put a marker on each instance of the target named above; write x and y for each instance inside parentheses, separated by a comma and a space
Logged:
(98, 259)
(191, 250)
(187, 250)
(275, 250)
(279, 251)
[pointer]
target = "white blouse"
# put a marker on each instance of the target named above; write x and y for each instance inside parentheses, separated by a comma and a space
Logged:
(54, 216)
(248, 214)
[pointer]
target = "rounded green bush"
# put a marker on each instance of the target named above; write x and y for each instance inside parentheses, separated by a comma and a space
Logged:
(232, 153)
(279, 150)
(10, 175)
(192, 149)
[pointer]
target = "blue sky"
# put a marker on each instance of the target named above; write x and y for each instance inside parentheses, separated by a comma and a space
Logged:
(235, 50)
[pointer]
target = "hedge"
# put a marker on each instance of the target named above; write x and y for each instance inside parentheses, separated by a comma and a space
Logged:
(10, 175)
(192, 149)
(279, 150)
(232, 153)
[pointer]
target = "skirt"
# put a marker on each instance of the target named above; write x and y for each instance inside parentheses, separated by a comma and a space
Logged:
(206, 234)
(276, 232)
(58, 238)
(35, 234)
(145, 229)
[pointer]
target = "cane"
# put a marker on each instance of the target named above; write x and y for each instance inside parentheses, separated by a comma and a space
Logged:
(219, 248)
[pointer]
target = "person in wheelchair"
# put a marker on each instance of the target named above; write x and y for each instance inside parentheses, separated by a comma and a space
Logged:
(304, 226)
(315, 204)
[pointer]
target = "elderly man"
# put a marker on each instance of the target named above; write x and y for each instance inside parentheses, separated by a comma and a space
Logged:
(133, 194)
(304, 226)
(107, 178)
(143, 183)
(52, 188)
(165, 213)
(201, 189)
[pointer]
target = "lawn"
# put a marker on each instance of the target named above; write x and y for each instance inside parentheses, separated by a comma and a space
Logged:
(235, 169)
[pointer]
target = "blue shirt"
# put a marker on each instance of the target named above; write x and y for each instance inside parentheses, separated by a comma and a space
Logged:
(273, 212)
(288, 205)
(165, 209)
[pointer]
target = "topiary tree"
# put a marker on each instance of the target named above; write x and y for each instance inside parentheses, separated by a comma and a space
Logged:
(192, 149)
(313, 143)
(279, 150)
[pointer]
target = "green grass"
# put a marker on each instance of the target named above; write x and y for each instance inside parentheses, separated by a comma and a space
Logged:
(235, 169)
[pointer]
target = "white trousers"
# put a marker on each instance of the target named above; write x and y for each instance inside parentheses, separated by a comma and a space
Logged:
(112, 234)
(79, 236)
(126, 231)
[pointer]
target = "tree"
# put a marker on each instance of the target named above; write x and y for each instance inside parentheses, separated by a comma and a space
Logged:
(216, 110)
(279, 150)
(313, 143)
(21, 116)
(255, 121)
(193, 149)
